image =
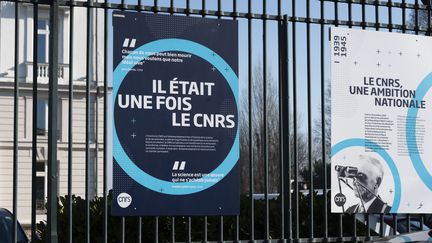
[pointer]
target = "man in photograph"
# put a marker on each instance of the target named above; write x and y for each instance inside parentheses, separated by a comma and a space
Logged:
(366, 183)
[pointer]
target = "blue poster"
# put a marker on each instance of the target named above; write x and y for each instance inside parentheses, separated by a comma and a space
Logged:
(175, 110)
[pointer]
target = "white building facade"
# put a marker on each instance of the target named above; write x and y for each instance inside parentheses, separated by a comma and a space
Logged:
(25, 79)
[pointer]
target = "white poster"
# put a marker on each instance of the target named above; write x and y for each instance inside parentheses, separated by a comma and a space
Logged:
(381, 120)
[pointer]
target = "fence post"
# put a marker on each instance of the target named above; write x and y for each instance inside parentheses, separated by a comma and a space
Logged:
(15, 129)
(52, 125)
(284, 129)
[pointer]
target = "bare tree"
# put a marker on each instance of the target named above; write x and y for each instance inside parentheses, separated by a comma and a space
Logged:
(318, 134)
(419, 18)
(255, 118)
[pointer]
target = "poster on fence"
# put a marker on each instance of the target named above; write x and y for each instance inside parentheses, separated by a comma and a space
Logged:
(175, 111)
(381, 122)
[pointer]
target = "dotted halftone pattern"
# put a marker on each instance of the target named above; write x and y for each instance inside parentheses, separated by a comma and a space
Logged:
(172, 27)
(227, 107)
(126, 184)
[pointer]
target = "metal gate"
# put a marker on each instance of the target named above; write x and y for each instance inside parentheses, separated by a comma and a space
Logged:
(62, 56)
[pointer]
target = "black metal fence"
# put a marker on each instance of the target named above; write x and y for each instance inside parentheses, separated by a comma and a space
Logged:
(284, 80)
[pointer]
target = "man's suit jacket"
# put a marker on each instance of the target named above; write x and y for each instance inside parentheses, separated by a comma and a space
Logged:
(377, 206)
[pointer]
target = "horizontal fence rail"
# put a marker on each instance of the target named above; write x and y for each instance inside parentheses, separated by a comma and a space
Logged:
(284, 125)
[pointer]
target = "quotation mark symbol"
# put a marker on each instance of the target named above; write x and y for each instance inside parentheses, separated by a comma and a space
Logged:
(179, 165)
(127, 44)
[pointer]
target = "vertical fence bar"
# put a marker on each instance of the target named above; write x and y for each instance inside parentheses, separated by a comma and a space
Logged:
(221, 228)
(122, 229)
(368, 230)
(172, 10)
(350, 15)
(354, 225)
(381, 225)
(221, 219)
(363, 12)
(250, 108)
(205, 229)
(189, 228)
(376, 3)
(70, 124)
(323, 120)
(416, 17)
(235, 13)
(279, 10)
(283, 119)
(52, 123)
(296, 172)
(237, 226)
(172, 229)
(87, 116)
(96, 107)
(286, 134)
(390, 16)
(237, 236)
(139, 229)
(429, 8)
(15, 127)
(282, 128)
(265, 140)
(422, 222)
(203, 12)
(336, 23)
(354, 220)
(395, 223)
(156, 229)
(403, 16)
(309, 111)
(34, 120)
(105, 124)
(140, 7)
(408, 223)
(336, 13)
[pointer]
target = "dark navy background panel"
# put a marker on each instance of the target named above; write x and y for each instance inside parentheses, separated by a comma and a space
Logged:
(148, 149)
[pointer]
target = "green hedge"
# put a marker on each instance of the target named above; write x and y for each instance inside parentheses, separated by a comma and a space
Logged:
(181, 223)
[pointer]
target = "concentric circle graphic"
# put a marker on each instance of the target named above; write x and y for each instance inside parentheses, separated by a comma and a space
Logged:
(123, 160)
(360, 142)
(410, 133)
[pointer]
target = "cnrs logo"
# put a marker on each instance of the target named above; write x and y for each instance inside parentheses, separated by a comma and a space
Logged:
(340, 199)
(124, 200)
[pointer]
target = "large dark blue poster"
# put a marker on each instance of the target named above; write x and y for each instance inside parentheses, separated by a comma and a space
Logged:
(175, 101)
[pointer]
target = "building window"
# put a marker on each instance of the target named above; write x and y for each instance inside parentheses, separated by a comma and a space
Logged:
(43, 39)
(41, 185)
(42, 118)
